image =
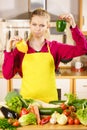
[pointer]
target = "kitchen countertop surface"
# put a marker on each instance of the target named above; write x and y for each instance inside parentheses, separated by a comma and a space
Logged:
(71, 73)
(53, 127)
(64, 72)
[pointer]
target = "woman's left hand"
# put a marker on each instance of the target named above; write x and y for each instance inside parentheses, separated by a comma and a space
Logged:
(68, 18)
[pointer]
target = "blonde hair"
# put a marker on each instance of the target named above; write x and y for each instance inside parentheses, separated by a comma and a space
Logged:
(41, 12)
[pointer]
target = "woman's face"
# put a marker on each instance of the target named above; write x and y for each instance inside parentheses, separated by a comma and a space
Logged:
(38, 26)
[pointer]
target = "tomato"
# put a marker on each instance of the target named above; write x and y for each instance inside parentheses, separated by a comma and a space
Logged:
(70, 121)
(63, 106)
(24, 111)
(16, 123)
(76, 121)
(67, 112)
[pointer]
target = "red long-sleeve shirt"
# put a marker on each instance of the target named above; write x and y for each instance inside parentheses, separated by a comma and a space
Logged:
(13, 60)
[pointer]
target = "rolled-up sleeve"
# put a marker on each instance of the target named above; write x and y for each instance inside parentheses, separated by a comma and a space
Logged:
(8, 67)
(70, 51)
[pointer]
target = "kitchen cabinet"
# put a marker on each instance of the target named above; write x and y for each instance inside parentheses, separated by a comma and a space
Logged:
(73, 82)
(63, 86)
(16, 83)
(80, 88)
(3, 89)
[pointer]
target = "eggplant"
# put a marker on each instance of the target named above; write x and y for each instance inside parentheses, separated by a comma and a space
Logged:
(9, 113)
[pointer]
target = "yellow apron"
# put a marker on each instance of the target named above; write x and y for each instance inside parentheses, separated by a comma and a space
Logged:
(38, 80)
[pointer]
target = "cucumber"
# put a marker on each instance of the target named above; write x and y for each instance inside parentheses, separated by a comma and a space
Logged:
(49, 111)
(57, 102)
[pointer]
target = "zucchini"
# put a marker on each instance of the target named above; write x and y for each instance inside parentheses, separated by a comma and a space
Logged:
(56, 102)
(49, 111)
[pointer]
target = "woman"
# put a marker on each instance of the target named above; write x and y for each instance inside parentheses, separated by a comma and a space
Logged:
(37, 65)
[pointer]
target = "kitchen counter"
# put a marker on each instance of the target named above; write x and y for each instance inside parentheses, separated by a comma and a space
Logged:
(71, 73)
(63, 72)
(53, 127)
(73, 76)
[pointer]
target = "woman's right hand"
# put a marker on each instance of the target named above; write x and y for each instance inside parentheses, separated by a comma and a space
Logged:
(11, 44)
(68, 18)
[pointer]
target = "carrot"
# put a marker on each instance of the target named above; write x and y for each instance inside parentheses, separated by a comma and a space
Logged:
(36, 112)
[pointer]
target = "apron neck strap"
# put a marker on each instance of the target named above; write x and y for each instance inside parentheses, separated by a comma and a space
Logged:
(48, 47)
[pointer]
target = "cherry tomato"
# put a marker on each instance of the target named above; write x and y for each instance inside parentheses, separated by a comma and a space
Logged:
(63, 106)
(16, 123)
(70, 121)
(67, 112)
(24, 111)
(76, 121)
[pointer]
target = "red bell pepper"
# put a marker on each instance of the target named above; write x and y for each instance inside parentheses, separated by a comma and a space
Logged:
(45, 120)
(24, 111)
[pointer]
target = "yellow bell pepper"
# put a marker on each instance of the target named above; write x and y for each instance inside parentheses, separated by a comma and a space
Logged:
(22, 46)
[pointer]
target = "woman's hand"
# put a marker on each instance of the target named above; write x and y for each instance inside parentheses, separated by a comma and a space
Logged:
(11, 44)
(68, 18)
